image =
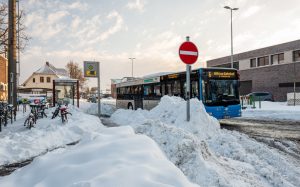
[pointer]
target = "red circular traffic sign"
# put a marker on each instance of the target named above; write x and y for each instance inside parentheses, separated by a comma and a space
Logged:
(188, 52)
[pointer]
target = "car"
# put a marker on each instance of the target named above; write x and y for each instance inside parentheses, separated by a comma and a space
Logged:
(262, 96)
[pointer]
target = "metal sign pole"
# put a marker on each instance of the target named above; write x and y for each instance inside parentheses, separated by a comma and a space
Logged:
(188, 83)
(99, 99)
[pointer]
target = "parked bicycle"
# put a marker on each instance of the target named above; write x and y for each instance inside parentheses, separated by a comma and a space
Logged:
(7, 111)
(62, 111)
(30, 120)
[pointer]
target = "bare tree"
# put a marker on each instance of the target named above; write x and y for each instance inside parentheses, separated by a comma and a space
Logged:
(75, 72)
(24, 37)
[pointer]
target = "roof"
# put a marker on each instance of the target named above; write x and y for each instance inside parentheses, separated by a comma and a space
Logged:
(49, 69)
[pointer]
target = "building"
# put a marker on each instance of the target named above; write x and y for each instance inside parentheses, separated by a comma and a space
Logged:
(113, 87)
(41, 81)
(3, 78)
(271, 69)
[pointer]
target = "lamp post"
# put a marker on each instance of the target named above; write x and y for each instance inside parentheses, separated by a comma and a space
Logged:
(131, 66)
(231, 9)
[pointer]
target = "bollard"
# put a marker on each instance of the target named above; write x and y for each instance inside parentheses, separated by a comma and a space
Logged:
(242, 102)
(253, 101)
(259, 101)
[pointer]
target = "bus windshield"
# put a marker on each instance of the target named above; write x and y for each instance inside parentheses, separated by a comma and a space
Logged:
(221, 92)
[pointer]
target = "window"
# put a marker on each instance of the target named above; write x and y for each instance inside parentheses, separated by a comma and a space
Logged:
(148, 90)
(41, 79)
(236, 65)
(277, 59)
(289, 84)
(296, 56)
(263, 61)
(48, 79)
(253, 63)
(33, 80)
(157, 90)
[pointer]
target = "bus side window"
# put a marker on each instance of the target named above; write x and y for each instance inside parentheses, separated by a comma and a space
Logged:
(157, 90)
(176, 90)
(195, 89)
(163, 89)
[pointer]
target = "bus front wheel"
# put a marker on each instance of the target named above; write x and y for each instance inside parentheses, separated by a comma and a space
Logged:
(130, 107)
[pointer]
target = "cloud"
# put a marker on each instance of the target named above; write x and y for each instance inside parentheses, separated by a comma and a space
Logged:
(251, 11)
(45, 26)
(115, 28)
(78, 6)
(138, 5)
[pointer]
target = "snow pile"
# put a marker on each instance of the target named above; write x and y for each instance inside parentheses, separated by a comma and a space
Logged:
(48, 134)
(272, 110)
(112, 157)
(208, 155)
(108, 107)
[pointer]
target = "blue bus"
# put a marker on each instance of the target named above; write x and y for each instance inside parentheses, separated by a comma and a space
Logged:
(217, 88)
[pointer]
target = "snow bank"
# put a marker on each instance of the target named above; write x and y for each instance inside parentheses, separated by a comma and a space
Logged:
(103, 156)
(22, 144)
(112, 157)
(108, 107)
(273, 110)
(208, 155)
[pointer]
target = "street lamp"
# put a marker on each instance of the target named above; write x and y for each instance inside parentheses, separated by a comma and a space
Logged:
(131, 66)
(231, 9)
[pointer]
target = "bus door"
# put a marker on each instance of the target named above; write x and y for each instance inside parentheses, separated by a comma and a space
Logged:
(138, 102)
(138, 97)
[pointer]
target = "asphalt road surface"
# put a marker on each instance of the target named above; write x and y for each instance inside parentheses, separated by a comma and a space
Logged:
(283, 135)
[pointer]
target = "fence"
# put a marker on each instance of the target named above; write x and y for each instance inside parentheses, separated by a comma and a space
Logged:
(291, 100)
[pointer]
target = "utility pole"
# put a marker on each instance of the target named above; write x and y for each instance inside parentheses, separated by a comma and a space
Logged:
(132, 66)
(18, 36)
(12, 70)
(294, 83)
(231, 9)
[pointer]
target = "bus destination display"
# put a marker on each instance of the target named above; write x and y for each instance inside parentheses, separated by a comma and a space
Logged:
(222, 74)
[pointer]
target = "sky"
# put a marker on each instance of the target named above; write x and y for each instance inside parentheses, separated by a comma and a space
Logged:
(150, 31)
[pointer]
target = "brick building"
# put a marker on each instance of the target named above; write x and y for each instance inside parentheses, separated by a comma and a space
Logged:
(3, 78)
(271, 69)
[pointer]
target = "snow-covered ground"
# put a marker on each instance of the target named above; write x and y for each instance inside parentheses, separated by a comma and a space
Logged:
(108, 107)
(273, 110)
(103, 156)
(208, 155)
(178, 151)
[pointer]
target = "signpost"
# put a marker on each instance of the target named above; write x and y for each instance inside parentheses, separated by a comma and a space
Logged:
(91, 70)
(188, 53)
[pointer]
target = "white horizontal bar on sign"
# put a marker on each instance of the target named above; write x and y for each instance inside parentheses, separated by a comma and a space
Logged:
(192, 53)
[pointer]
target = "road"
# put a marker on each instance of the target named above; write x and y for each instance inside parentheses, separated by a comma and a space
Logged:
(283, 135)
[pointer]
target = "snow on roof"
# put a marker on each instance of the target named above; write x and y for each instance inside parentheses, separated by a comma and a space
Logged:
(157, 74)
(50, 69)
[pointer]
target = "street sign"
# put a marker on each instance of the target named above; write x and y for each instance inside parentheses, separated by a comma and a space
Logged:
(188, 52)
(91, 69)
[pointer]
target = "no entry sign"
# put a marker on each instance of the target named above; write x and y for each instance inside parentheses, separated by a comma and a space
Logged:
(188, 52)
